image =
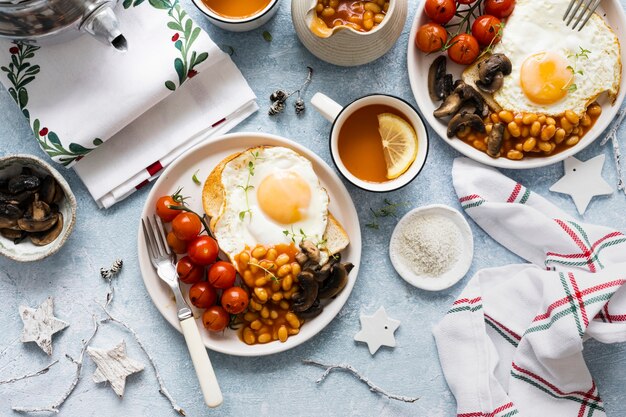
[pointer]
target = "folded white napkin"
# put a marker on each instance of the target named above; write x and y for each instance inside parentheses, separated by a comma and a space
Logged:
(511, 344)
(118, 118)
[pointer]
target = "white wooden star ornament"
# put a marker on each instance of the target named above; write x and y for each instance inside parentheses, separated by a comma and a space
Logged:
(377, 330)
(40, 324)
(114, 366)
(583, 181)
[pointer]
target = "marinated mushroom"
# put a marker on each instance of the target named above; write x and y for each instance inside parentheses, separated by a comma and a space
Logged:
(462, 95)
(494, 140)
(47, 190)
(491, 73)
(23, 182)
(49, 236)
(312, 311)
(337, 280)
(15, 235)
(307, 294)
(463, 120)
(439, 82)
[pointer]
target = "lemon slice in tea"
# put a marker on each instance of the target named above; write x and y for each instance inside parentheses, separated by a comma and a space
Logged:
(399, 143)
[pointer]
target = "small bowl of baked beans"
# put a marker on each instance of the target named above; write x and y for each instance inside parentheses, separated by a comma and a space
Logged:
(349, 32)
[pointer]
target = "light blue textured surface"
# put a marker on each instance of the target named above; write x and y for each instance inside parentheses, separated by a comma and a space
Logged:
(277, 385)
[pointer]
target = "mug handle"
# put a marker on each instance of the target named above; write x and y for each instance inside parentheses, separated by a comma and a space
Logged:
(326, 106)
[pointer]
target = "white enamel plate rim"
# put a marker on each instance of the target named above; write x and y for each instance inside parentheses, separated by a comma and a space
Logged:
(419, 62)
(206, 156)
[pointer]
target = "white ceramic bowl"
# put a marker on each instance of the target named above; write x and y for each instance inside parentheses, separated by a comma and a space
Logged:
(26, 251)
(458, 270)
(346, 46)
(239, 25)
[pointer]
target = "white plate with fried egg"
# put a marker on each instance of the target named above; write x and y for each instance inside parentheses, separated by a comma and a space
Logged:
(328, 196)
(536, 29)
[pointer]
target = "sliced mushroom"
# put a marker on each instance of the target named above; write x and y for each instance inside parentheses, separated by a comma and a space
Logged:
(15, 235)
(337, 281)
(312, 311)
(47, 190)
(463, 120)
(10, 211)
(8, 224)
(439, 82)
(471, 96)
(491, 72)
(49, 236)
(310, 250)
(58, 194)
(495, 139)
(22, 182)
(450, 105)
(308, 292)
(463, 95)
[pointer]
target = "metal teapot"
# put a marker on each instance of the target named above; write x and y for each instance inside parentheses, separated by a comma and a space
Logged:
(38, 20)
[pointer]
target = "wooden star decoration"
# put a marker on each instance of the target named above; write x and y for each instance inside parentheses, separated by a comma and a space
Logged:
(40, 324)
(377, 330)
(583, 181)
(114, 366)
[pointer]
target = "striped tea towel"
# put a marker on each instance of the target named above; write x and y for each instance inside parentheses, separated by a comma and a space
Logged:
(511, 344)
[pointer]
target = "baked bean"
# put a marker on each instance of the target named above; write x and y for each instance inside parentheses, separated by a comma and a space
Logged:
(525, 131)
(594, 110)
(273, 314)
(293, 320)
(386, 6)
(256, 306)
(275, 285)
(265, 337)
(356, 19)
(289, 294)
(244, 258)
(259, 252)
(277, 296)
(529, 144)
(282, 259)
(488, 127)
(268, 322)
(462, 134)
(287, 282)
(284, 305)
(572, 140)
(260, 282)
(256, 325)
(283, 271)
(518, 118)
(507, 134)
(295, 268)
(379, 17)
(559, 136)
(547, 132)
(576, 130)
(293, 331)
(261, 294)
(271, 254)
(248, 278)
(282, 333)
(471, 137)
(505, 116)
(529, 119)
(495, 118)
(319, 7)
(368, 15)
(514, 129)
(545, 146)
(248, 336)
(253, 265)
(265, 312)
(479, 144)
(519, 146)
(565, 124)
(585, 121)
(550, 121)
(535, 129)
(542, 119)
(327, 12)
(250, 316)
(572, 117)
(333, 3)
(514, 154)
(368, 24)
(372, 7)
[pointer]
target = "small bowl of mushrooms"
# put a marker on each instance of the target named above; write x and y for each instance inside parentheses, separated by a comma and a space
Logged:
(37, 208)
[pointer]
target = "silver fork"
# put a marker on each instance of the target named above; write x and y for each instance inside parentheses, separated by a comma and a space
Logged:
(164, 261)
(582, 10)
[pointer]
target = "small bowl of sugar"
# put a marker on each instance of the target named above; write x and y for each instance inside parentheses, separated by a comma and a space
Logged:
(432, 247)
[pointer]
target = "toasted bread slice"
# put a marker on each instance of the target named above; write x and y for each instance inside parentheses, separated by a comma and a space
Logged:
(213, 199)
(470, 76)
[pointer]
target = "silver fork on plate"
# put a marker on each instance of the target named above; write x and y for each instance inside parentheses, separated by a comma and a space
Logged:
(582, 10)
(164, 261)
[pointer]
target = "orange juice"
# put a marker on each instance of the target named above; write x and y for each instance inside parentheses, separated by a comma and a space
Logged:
(236, 9)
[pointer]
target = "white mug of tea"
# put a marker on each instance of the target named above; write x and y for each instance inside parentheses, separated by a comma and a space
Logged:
(377, 142)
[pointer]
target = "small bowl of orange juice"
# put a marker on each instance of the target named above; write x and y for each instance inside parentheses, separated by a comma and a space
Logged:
(238, 15)
(378, 142)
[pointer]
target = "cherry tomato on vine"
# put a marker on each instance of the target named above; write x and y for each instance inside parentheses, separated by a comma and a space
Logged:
(487, 30)
(186, 226)
(163, 209)
(431, 37)
(499, 8)
(177, 245)
(440, 11)
(188, 272)
(202, 294)
(464, 49)
(235, 300)
(215, 319)
(203, 250)
(222, 275)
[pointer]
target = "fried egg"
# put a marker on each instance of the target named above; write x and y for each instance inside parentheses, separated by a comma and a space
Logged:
(556, 68)
(272, 196)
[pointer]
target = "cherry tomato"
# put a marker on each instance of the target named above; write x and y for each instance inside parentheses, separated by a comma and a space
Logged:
(222, 275)
(177, 245)
(499, 8)
(188, 272)
(202, 294)
(441, 11)
(203, 250)
(215, 319)
(186, 226)
(464, 49)
(235, 300)
(163, 209)
(431, 37)
(486, 29)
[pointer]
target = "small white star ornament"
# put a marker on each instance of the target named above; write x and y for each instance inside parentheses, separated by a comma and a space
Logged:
(583, 181)
(40, 324)
(377, 330)
(114, 366)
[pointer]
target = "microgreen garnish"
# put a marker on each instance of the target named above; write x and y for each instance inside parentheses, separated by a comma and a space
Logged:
(498, 36)
(464, 25)
(248, 187)
(583, 53)
(267, 271)
(389, 209)
(267, 36)
(321, 244)
(194, 177)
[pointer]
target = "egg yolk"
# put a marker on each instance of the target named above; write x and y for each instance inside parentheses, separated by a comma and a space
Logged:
(545, 77)
(284, 197)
